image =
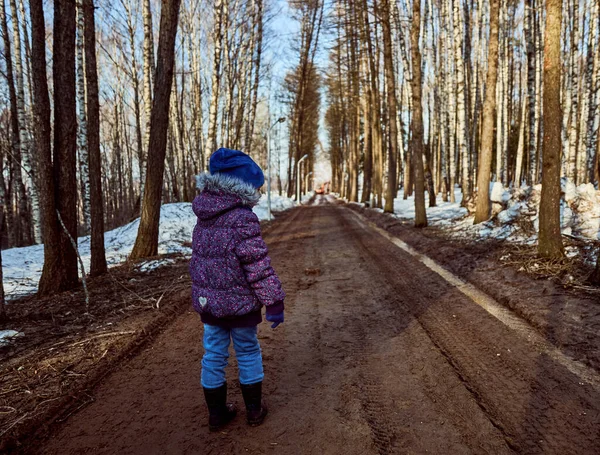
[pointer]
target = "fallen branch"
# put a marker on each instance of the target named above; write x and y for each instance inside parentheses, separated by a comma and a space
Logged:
(83, 280)
(73, 243)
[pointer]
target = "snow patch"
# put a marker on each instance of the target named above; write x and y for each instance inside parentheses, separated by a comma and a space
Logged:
(516, 213)
(22, 267)
(149, 266)
(8, 336)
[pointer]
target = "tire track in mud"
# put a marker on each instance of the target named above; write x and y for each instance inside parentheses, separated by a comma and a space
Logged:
(537, 404)
(377, 355)
(380, 332)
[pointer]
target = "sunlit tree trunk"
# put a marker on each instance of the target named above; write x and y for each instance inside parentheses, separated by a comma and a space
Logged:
(416, 118)
(148, 86)
(461, 125)
(550, 241)
(146, 243)
(390, 77)
(483, 206)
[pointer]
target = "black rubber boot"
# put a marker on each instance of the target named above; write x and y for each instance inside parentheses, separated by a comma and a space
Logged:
(220, 412)
(256, 411)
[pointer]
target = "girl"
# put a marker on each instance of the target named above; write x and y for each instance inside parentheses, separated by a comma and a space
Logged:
(232, 279)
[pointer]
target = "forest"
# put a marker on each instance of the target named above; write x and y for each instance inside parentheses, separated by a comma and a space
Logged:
(110, 109)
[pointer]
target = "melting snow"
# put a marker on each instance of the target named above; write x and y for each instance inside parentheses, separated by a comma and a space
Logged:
(7, 336)
(22, 267)
(516, 213)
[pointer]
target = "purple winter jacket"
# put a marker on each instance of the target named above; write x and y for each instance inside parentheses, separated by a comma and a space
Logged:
(230, 267)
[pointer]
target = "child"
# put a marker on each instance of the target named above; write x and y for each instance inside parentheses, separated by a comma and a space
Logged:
(232, 279)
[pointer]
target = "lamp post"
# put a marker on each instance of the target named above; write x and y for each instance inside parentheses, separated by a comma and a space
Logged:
(279, 120)
(307, 180)
(298, 178)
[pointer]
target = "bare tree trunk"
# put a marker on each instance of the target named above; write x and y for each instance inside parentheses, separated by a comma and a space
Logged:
(572, 127)
(529, 31)
(53, 273)
(82, 142)
(461, 125)
(550, 241)
(22, 225)
(24, 131)
(417, 118)
(258, 51)
(594, 111)
(518, 177)
(146, 243)
(483, 206)
(98, 260)
(136, 95)
(390, 77)
(148, 84)
(60, 266)
(3, 316)
(211, 144)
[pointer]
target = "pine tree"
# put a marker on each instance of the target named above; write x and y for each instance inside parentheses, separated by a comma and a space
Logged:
(550, 241)
(390, 78)
(417, 118)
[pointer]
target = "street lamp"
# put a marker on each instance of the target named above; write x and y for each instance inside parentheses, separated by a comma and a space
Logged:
(279, 120)
(298, 178)
(306, 182)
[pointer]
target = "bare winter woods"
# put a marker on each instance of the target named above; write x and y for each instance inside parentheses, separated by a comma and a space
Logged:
(445, 94)
(110, 108)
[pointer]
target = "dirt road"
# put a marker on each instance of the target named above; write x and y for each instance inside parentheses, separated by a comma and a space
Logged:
(378, 354)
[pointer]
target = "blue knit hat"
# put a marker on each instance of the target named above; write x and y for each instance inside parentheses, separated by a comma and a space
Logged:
(237, 164)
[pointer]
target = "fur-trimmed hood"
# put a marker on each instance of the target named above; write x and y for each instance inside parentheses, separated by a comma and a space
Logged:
(220, 193)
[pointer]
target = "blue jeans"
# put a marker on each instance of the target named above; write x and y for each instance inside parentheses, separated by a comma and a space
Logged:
(216, 353)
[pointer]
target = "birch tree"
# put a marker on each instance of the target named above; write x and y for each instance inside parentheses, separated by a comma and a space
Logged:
(217, 38)
(22, 227)
(82, 141)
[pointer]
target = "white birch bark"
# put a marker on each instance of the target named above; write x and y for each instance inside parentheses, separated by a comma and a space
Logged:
(256, 50)
(84, 174)
(506, 89)
(517, 180)
(539, 30)
(529, 31)
(587, 69)
(573, 121)
(461, 125)
(148, 57)
(451, 96)
(227, 72)
(217, 37)
(594, 117)
(24, 135)
(198, 119)
(500, 96)
(566, 89)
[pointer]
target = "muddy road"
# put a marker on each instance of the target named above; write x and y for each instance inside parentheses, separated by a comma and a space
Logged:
(378, 354)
